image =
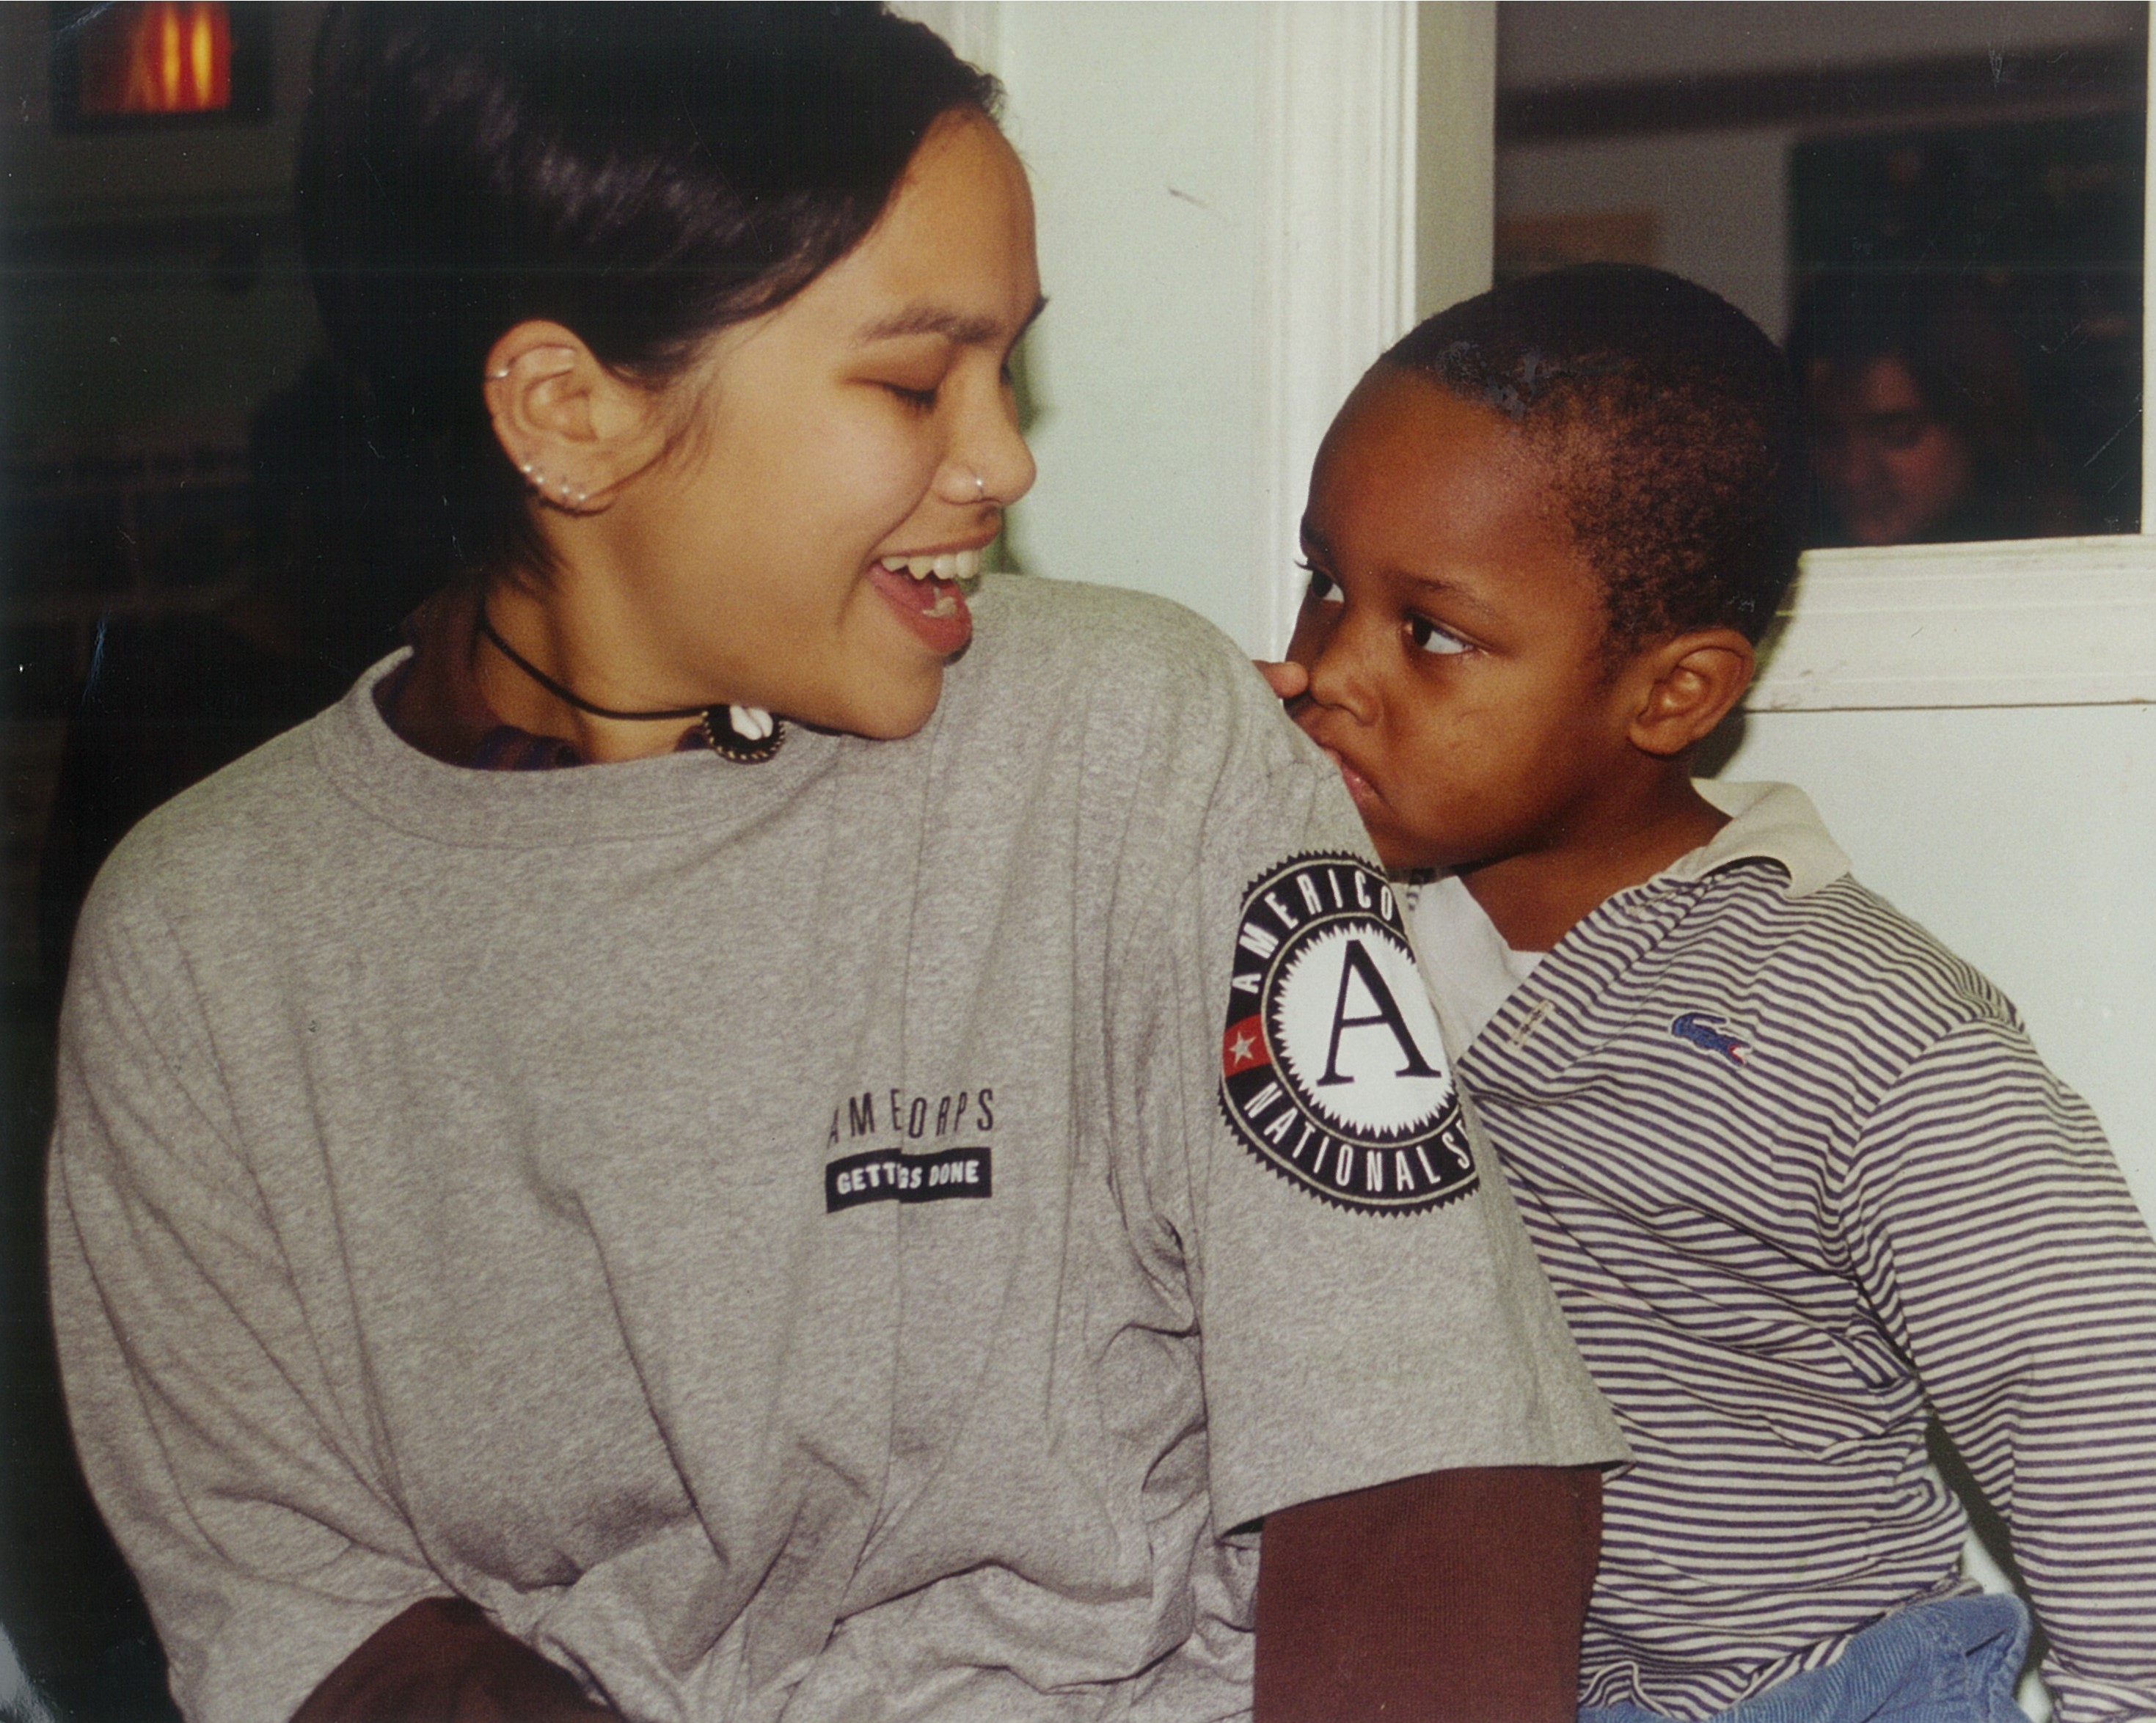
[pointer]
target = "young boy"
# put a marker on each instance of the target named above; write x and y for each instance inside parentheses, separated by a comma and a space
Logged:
(1798, 1176)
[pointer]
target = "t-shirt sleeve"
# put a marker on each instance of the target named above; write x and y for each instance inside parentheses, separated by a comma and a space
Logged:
(1993, 1235)
(1368, 1305)
(249, 1503)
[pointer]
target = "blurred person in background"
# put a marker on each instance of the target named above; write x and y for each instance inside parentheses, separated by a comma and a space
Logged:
(1920, 421)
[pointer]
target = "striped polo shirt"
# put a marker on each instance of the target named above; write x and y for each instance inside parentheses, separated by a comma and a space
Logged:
(1801, 1181)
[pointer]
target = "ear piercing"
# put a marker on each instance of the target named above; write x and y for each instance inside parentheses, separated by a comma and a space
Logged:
(500, 375)
(565, 495)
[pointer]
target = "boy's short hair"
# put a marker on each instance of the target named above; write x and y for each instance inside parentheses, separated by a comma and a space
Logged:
(1671, 424)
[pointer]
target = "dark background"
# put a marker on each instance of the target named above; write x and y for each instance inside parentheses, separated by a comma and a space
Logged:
(190, 559)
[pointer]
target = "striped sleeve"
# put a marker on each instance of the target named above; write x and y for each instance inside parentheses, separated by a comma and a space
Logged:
(1992, 1232)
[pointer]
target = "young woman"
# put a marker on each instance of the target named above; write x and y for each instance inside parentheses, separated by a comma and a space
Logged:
(755, 1217)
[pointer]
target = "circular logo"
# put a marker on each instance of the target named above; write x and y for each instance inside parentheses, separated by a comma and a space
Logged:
(1332, 1069)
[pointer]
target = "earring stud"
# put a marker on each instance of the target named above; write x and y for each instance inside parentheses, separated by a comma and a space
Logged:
(570, 495)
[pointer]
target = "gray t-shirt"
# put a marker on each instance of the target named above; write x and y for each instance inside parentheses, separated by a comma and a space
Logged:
(783, 1239)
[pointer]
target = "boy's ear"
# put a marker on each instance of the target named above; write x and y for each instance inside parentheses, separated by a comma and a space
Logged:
(1693, 681)
(573, 428)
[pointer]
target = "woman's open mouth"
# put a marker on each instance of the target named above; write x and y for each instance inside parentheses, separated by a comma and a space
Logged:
(924, 592)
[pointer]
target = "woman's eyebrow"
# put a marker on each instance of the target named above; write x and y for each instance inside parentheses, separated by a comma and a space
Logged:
(954, 327)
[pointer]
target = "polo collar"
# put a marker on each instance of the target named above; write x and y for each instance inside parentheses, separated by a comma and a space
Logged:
(1776, 823)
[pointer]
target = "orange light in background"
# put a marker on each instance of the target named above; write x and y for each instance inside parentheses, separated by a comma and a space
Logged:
(157, 57)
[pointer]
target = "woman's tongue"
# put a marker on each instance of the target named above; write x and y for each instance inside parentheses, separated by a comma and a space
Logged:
(930, 603)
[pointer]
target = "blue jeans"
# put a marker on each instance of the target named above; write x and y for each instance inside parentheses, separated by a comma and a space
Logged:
(1953, 1661)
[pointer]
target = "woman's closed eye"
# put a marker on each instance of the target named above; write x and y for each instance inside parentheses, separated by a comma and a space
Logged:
(918, 400)
(1432, 637)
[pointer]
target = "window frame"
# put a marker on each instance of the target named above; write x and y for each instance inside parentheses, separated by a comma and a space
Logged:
(2062, 622)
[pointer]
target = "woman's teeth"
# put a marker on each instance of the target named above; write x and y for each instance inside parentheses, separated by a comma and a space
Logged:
(951, 565)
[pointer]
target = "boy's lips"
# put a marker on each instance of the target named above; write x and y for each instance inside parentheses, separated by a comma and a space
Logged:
(929, 602)
(1360, 787)
(1309, 718)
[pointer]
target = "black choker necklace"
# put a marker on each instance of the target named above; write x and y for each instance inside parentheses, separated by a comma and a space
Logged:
(747, 733)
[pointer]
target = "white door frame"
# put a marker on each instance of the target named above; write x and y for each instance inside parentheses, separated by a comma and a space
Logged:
(1336, 272)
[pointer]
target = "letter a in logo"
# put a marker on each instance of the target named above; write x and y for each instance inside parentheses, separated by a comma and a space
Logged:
(1358, 967)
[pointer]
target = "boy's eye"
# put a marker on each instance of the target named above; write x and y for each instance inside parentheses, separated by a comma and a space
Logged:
(1430, 638)
(1323, 588)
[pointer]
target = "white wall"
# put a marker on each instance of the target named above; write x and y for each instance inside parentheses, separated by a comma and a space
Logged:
(1138, 124)
(1456, 150)
(1229, 228)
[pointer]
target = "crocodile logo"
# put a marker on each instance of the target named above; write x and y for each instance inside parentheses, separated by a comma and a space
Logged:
(1705, 1030)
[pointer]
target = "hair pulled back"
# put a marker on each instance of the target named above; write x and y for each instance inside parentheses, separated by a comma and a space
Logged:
(645, 175)
(1670, 428)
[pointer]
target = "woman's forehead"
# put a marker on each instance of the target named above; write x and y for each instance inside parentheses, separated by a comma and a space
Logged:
(952, 257)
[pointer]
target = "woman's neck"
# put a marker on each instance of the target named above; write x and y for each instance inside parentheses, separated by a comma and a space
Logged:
(588, 650)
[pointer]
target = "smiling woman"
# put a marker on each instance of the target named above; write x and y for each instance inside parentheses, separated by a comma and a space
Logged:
(667, 1156)
(789, 369)
(764, 530)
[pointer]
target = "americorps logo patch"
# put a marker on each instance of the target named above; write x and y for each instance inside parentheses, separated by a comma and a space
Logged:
(1331, 1070)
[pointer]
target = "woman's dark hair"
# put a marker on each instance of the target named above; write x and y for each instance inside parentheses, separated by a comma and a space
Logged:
(644, 175)
(1950, 332)
(1669, 425)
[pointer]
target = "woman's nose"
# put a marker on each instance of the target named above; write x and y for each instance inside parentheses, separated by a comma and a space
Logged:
(990, 461)
(1006, 469)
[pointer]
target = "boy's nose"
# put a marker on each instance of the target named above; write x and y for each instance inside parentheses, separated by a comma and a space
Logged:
(1338, 671)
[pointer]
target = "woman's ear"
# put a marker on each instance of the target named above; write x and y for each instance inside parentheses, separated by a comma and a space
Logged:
(1696, 677)
(576, 430)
